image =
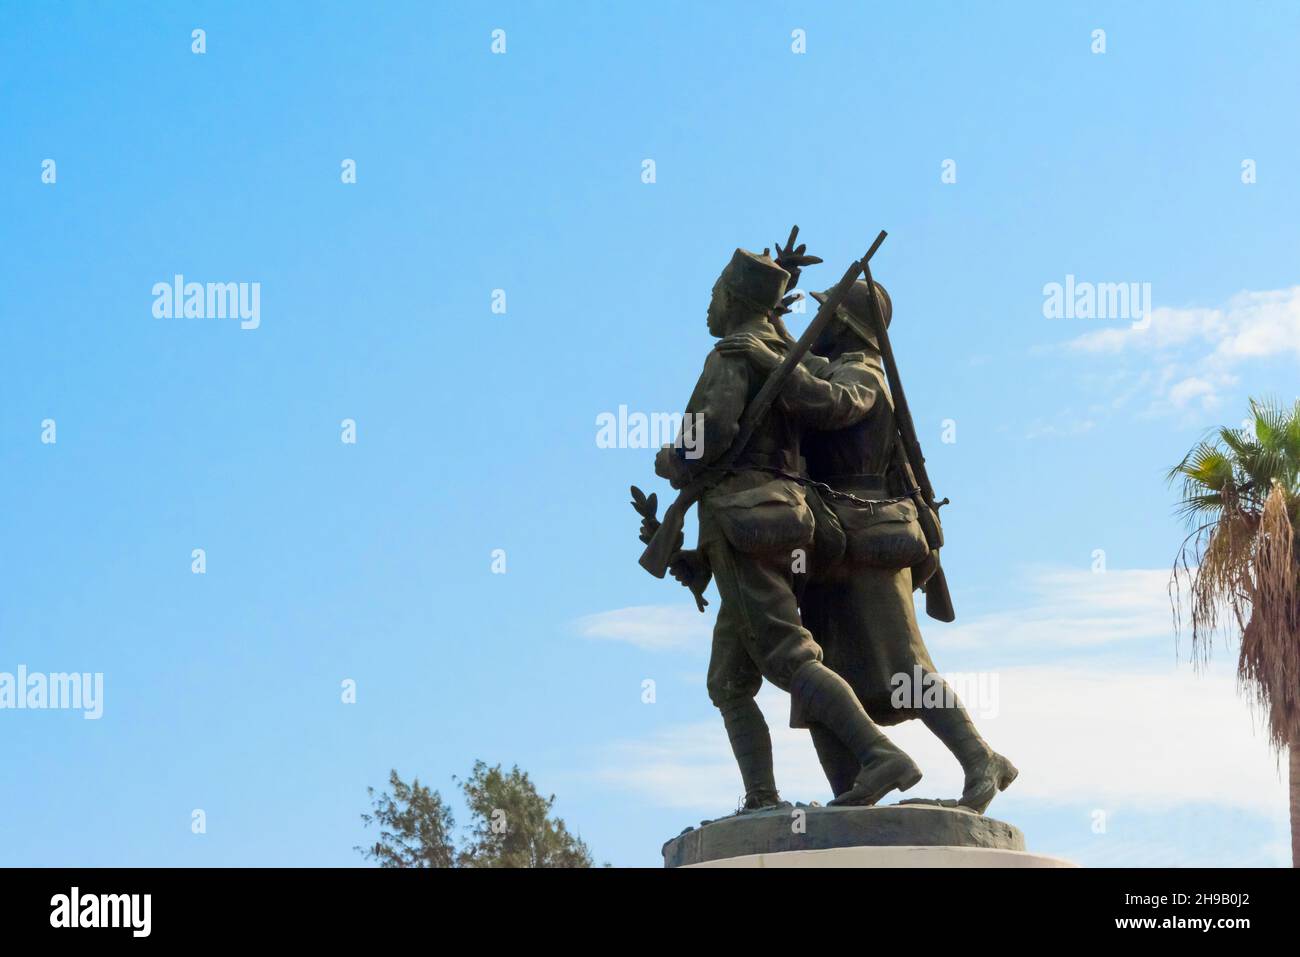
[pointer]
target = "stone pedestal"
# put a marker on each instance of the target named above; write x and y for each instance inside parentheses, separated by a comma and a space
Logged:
(899, 835)
(904, 856)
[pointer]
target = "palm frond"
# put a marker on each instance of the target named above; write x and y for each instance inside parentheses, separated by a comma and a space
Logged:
(1206, 468)
(1269, 665)
(1206, 503)
(1239, 442)
(1238, 567)
(1277, 430)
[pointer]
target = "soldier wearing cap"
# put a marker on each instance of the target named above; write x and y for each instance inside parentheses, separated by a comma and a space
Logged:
(867, 558)
(750, 523)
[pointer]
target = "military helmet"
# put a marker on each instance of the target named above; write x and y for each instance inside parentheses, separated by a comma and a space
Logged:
(855, 312)
(755, 279)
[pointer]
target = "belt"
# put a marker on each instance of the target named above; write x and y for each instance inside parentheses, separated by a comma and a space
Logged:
(763, 461)
(873, 483)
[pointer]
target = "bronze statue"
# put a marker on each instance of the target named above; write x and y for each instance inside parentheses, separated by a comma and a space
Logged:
(878, 538)
(754, 521)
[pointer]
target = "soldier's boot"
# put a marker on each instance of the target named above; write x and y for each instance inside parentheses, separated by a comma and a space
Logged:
(840, 764)
(751, 743)
(827, 699)
(987, 772)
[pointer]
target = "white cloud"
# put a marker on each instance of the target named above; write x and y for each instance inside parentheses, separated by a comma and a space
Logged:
(1251, 325)
(1198, 349)
(691, 765)
(651, 627)
(1168, 329)
(1190, 389)
(1061, 608)
(1097, 733)
(1103, 736)
(1072, 608)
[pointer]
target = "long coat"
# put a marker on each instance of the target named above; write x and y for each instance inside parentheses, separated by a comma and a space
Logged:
(863, 617)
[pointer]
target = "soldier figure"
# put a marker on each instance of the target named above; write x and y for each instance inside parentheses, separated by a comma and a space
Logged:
(870, 550)
(750, 524)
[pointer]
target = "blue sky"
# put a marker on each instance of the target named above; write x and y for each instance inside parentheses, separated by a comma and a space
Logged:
(477, 431)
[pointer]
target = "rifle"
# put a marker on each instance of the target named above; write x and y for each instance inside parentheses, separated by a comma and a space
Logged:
(664, 544)
(938, 600)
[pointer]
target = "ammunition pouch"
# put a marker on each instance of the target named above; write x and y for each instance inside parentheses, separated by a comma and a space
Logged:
(924, 570)
(828, 541)
(772, 518)
(885, 535)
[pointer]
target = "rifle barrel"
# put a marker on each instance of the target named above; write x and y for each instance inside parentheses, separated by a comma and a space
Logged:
(902, 411)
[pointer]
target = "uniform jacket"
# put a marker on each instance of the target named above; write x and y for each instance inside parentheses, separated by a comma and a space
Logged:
(756, 510)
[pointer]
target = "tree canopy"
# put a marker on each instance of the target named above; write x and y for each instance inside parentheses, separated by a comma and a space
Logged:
(1241, 496)
(511, 825)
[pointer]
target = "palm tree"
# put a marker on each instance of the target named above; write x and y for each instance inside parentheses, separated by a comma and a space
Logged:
(1239, 566)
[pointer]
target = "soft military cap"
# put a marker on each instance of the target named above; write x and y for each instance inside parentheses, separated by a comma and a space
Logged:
(755, 279)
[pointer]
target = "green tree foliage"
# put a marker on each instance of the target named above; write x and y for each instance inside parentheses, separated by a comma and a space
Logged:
(415, 827)
(511, 825)
(1240, 565)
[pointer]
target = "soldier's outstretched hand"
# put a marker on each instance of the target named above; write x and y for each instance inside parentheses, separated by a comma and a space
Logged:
(793, 258)
(752, 349)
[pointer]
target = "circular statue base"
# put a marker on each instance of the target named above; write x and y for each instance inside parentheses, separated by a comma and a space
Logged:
(899, 835)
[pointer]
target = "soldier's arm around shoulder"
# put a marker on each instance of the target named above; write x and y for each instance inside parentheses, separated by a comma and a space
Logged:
(824, 395)
(833, 395)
